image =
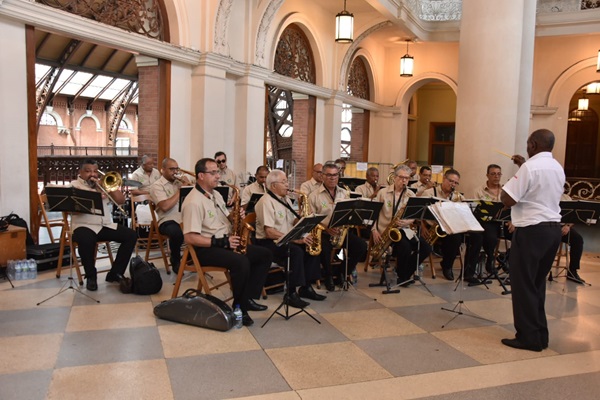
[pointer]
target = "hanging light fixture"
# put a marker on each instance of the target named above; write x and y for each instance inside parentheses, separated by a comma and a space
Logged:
(583, 104)
(344, 26)
(407, 63)
(598, 62)
(593, 88)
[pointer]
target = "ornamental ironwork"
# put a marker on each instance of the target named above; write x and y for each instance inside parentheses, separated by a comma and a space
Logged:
(358, 80)
(293, 56)
(583, 188)
(138, 16)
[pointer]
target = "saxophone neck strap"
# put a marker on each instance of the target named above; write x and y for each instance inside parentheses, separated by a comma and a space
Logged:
(284, 203)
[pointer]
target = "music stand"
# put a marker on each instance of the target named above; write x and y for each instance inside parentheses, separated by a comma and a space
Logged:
(354, 213)
(70, 200)
(252, 202)
(300, 230)
(416, 208)
(183, 193)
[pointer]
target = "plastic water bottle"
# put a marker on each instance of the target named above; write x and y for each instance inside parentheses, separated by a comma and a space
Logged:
(354, 276)
(18, 270)
(237, 312)
(32, 269)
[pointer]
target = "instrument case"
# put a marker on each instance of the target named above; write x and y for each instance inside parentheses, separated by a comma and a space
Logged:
(198, 309)
(46, 255)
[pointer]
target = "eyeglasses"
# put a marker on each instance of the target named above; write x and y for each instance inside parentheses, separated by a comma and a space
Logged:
(173, 169)
(213, 173)
(331, 175)
(404, 178)
(221, 161)
(452, 181)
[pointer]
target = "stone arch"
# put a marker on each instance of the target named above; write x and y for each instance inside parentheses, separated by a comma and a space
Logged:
(373, 80)
(413, 84)
(96, 120)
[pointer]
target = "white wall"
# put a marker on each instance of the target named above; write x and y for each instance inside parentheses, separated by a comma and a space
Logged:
(181, 116)
(14, 166)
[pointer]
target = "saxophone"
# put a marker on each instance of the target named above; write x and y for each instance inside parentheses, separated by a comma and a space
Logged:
(239, 226)
(389, 235)
(337, 241)
(304, 207)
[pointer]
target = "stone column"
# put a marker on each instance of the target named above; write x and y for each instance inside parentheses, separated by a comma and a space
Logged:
(494, 87)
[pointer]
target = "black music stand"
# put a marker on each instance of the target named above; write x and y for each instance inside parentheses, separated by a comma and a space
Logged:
(493, 212)
(70, 200)
(354, 213)
(416, 208)
(458, 307)
(300, 230)
(252, 202)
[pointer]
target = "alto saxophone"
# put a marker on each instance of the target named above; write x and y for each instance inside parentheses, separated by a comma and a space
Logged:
(313, 249)
(239, 226)
(389, 235)
(337, 241)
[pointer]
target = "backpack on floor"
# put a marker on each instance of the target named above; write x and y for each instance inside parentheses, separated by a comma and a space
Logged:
(145, 277)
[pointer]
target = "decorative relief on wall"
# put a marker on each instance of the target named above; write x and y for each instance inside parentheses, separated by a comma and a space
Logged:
(436, 10)
(358, 79)
(293, 56)
(139, 16)
(263, 30)
(221, 25)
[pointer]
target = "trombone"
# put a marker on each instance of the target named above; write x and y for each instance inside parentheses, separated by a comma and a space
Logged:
(179, 175)
(110, 182)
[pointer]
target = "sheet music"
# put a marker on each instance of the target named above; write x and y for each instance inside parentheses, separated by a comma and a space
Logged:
(455, 217)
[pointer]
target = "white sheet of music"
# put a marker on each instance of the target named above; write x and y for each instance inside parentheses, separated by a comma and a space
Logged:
(455, 217)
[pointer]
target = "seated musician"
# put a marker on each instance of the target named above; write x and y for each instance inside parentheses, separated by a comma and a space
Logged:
(255, 187)
(322, 201)
(207, 225)
(146, 174)
(314, 182)
(89, 229)
(275, 217)
(575, 241)
(371, 187)
(408, 251)
(451, 243)
(165, 195)
(424, 181)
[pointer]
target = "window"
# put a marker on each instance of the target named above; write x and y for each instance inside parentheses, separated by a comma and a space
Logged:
(345, 148)
(48, 119)
(441, 143)
(122, 146)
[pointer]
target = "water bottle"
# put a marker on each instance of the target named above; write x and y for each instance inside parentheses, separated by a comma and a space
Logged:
(32, 269)
(354, 276)
(18, 270)
(237, 312)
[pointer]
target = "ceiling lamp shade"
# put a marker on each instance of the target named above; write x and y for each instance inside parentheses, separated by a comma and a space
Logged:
(583, 104)
(344, 26)
(593, 88)
(407, 63)
(598, 62)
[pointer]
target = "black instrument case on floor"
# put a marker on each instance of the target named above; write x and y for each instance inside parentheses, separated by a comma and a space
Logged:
(46, 255)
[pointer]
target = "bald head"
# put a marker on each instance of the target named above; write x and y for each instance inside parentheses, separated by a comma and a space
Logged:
(539, 141)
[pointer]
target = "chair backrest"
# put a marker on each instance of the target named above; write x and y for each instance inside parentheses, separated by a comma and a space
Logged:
(135, 202)
(44, 221)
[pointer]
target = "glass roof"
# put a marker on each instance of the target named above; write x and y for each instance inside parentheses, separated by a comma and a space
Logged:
(71, 82)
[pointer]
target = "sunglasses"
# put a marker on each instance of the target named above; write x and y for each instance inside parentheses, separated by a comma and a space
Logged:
(221, 161)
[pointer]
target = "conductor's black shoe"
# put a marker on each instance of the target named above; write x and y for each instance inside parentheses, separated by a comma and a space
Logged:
(572, 275)
(293, 300)
(309, 293)
(516, 344)
(114, 277)
(329, 284)
(91, 284)
(254, 306)
(246, 320)
(448, 274)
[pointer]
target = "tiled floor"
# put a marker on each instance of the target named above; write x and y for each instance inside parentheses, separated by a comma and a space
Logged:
(368, 345)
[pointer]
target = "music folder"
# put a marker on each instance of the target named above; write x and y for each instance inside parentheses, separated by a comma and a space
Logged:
(301, 229)
(224, 191)
(355, 212)
(183, 192)
(455, 217)
(252, 202)
(486, 211)
(70, 199)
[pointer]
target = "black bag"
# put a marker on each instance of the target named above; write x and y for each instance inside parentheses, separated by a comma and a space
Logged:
(145, 278)
(14, 219)
(198, 309)
(46, 255)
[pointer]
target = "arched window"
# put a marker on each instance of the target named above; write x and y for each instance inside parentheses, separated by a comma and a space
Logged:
(48, 119)
(346, 149)
(358, 80)
(293, 56)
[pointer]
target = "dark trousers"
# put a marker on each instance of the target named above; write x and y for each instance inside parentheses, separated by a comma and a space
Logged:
(86, 240)
(474, 242)
(248, 272)
(532, 253)
(575, 240)
(173, 231)
(304, 268)
(450, 249)
(357, 251)
(409, 254)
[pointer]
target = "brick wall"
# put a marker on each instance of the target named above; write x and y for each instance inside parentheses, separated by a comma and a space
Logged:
(300, 137)
(148, 110)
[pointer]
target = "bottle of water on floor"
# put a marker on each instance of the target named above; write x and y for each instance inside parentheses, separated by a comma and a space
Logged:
(354, 277)
(237, 312)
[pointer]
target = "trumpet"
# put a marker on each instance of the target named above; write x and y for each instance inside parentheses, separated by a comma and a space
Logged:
(110, 182)
(179, 175)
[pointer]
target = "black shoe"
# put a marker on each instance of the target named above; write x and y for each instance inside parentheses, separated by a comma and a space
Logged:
(254, 306)
(309, 293)
(572, 275)
(246, 320)
(516, 344)
(329, 284)
(294, 300)
(448, 274)
(473, 281)
(114, 277)
(91, 284)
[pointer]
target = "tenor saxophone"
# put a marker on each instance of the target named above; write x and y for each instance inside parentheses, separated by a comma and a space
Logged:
(239, 226)
(389, 235)
(313, 249)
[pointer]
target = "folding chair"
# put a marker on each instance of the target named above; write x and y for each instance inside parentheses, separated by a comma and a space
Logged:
(154, 237)
(66, 240)
(44, 221)
(202, 272)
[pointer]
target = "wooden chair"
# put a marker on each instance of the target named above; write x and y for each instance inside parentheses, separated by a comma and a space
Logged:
(202, 272)
(66, 240)
(560, 270)
(44, 221)
(154, 237)
(154, 234)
